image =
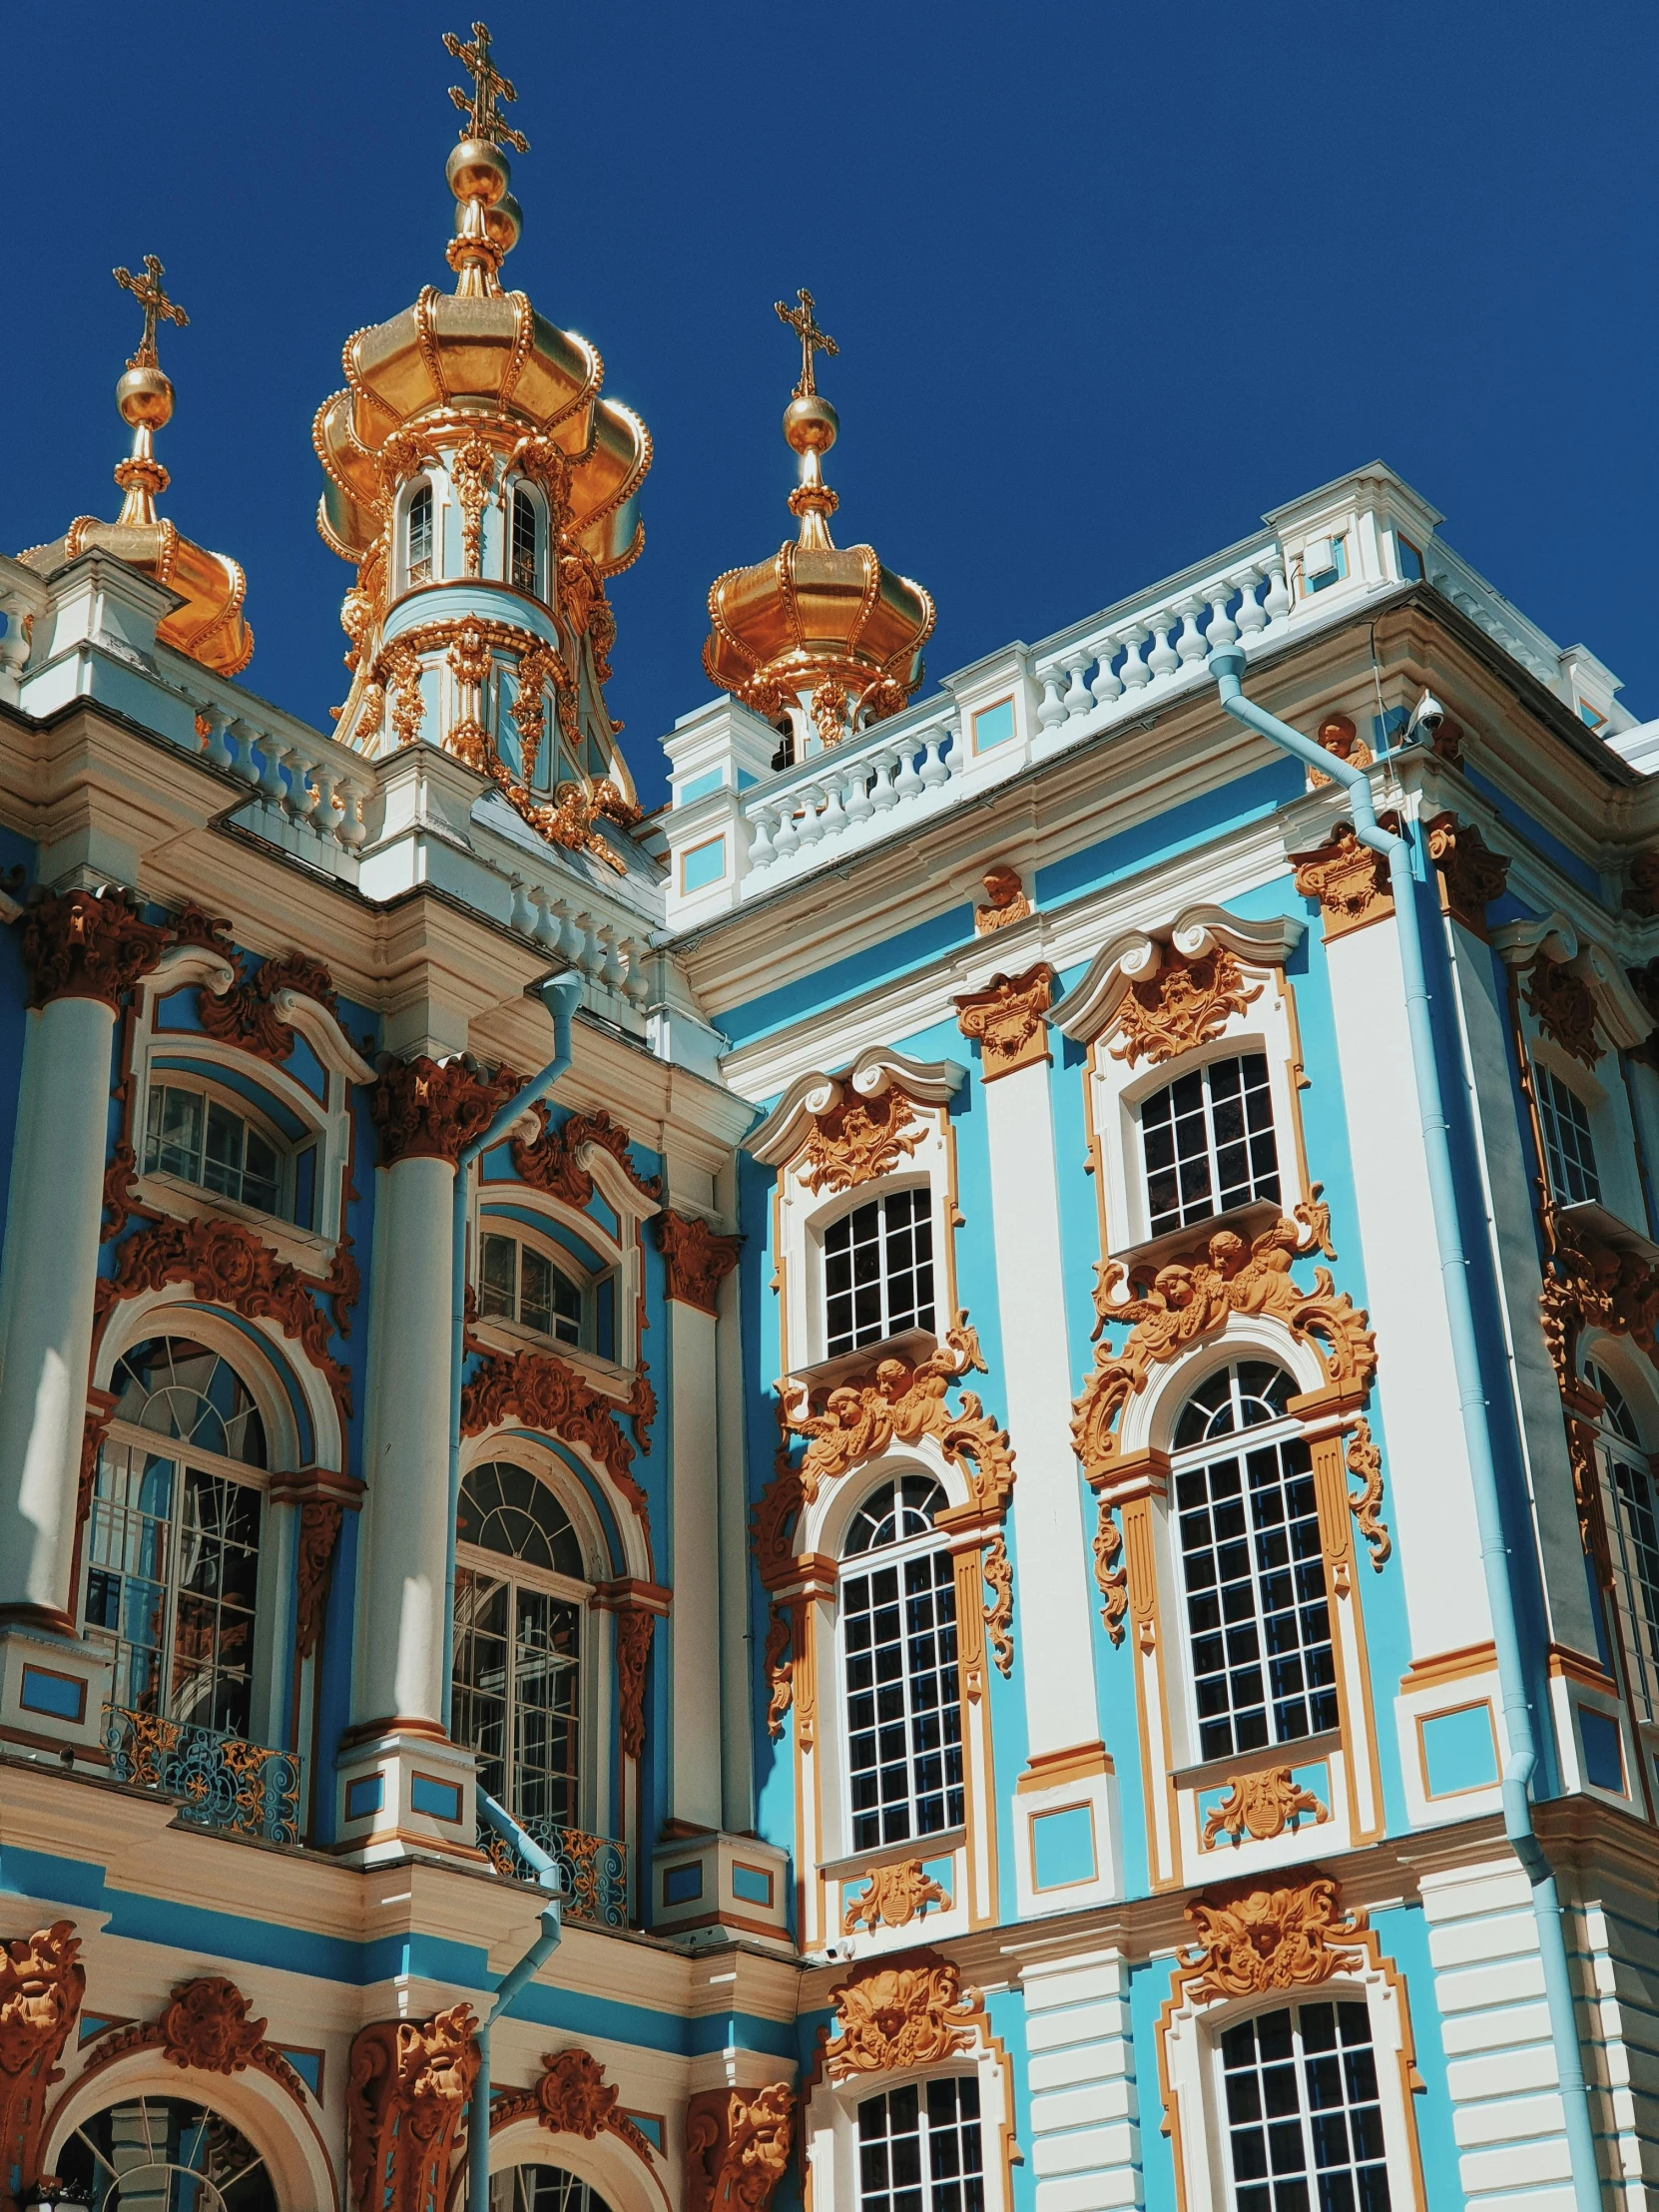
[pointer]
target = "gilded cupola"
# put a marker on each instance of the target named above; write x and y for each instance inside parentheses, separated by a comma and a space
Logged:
(485, 491)
(209, 626)
(820, 639)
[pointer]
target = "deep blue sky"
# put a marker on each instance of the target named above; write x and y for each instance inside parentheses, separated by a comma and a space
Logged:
(1108, 281)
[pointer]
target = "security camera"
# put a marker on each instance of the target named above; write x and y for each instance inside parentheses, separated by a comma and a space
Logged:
(1426, 716)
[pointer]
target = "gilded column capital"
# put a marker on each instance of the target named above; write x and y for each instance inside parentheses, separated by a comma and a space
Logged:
(405, 2095)
(432, 1109)
(88, 944)
(737, 2147)
(698, 1259)
(1010, 1020)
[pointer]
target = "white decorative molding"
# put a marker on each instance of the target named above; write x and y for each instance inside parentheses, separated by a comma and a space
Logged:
(1621, 1013)
(1137, 956)
(872, 1075)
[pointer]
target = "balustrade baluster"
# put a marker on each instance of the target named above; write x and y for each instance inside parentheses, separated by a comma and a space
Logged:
(352, 831)
(544, 927)
(956, 760)
(1190, 644)
(809, 829)
(1136, 675)
(1052, 711)
(1163, 660)
(1079, 699)
(1106, 686)
(787, 837)
(613, 968)
(330, 807)
(1277, 605)
(1252, 615)
(835, 813)
(858, 805)
(637, 989)
(590, 959)
(303, 797)
(522, 913)
(215, 746)
(761, 851)
(273, 753)
(907, 783)
(934, 771)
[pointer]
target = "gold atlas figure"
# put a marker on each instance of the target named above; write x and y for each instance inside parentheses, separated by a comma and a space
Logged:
(813, 340)
(147, 290)
(488, 86)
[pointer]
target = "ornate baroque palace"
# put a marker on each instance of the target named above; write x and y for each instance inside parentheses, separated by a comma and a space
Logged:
(925, 1486)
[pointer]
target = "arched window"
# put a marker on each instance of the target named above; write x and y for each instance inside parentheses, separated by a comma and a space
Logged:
(173, 1550)
(1250, 1565)
(899, 1655)
(203, 1140)
(1207, 1143)
(879, 1270)
(519, 1282)
(919, 2148)
(162, 2154)
(417, 537)
(519, 1601)
(526, 542)
(542, 2189)
(1632, 1510)
(1304, 2120)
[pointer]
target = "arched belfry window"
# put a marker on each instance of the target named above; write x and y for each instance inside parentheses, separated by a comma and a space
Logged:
(417, 536)
(520, 1597)
(899, 1655)
(1631, 1506)
(1250, 1565)
(526, 542)
(173, 1548)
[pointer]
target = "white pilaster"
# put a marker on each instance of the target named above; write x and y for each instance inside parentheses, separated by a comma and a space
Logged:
(695, 1628)
(1052, 1610)
(1085, 2118)
(50, 1275)
(736, 1754)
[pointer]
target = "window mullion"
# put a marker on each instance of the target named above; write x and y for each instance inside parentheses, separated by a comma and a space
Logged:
(1304, 2103)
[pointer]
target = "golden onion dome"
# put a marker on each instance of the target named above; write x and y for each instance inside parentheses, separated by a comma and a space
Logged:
(210, 626)
(479, 363)
(822, 633)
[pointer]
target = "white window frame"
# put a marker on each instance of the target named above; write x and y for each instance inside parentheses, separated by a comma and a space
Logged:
(500, 1567)
(831, 2123)
(1171, 1072)
(1612, 1130)
(913, 1547)
(563, 1262)
(520, 487)
(847, 1205)
(427, 481)
(620, 1255)
(1292, 2002)
(219, 1093)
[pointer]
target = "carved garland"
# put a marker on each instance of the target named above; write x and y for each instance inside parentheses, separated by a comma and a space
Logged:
(1194, 1298)
(226, 1265)
(571, 2098)
(1268, 1941)
(1589, 1284)
(1564, 1008)
(893, 1896)
(405, 2095)
(998, 1572)
(1187, 1003)
(1364, 1461)
(859, 1140)
(206, 2025)
(42, 1985)
(635, 1629)
(780, 1673)
(541, 1390)
(247, 1017)
(1010, 1020)
(320, 1519)
(899, 1403)
(892, 2018)
(1260, 1806)
(737, 2147)
(551, 1160)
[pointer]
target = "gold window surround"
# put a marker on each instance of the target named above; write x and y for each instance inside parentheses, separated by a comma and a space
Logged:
(893, 2023)
(891, 1419)
(1139, 1581)
(836, 1141)
(1154, 1003)
(1301, 1949)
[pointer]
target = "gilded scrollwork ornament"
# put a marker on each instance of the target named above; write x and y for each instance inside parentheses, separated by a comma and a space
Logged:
(572, 2097)
(42, 1985)
(1188, 1002)
(737, 2147)
(1260, 1806)
(779, 1671)
(998, 1572)
(551, 1161)
(1269, 1940)
(1009, 1017)
(858, 1139)
(890, 2019)
(406, 2093)
(893, 1896)
(1365, 1463)
(1564, 1008)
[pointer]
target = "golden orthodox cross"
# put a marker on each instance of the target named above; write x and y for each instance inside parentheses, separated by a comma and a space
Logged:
(813, 340)
(147, 290)
(488, 86)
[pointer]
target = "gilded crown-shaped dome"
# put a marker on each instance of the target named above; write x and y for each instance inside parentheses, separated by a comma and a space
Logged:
(210, 626)
(821, 634)
(485, 489)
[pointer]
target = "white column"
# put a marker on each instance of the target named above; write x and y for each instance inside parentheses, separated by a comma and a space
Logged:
(1052, 1609)
(737, 1691)
(50, 1266)
(401, 1638)
(694, 1629)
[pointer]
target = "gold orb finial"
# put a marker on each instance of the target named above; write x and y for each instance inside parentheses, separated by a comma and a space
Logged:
(144, 395)
(811, 424)
(488, 218)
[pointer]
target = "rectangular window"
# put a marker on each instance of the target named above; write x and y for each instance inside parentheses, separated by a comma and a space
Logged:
(1567, 1139)
(524, 543)
(1259, 1628)
(1303, 2121)
(904, 1717)
(519, 1282)
(1207, 1143)
(420, 536)
(1636, 1570)
(919, 2148)
(202, 1141)
(516, 1695)
(879, 1270)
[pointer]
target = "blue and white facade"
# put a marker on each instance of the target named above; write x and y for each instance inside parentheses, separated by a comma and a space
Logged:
(953, 1523)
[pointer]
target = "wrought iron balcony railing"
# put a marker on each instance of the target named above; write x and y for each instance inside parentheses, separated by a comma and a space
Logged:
(222, 1782)
(595, 1870)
